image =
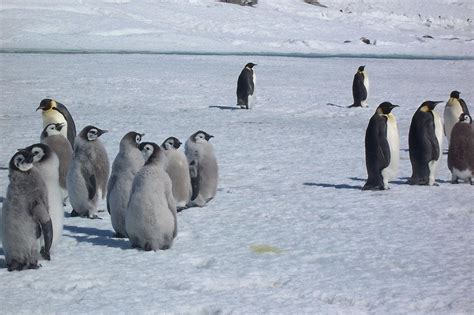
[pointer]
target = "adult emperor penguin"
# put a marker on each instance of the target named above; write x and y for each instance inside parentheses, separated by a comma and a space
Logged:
(52, 136)
(178, 170)
(150, 219)
(382, 146)
(453, 109)
(461, 150)
(360, 88)
(88, 173)
(246, 85)
(203, 168)
(126, 165)
(425, 140)
(25, 215)
(47, 163)
(55, 112)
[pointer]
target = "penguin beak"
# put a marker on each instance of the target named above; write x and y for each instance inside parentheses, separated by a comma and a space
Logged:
(209, 137)
(39, 107)
(101, 132)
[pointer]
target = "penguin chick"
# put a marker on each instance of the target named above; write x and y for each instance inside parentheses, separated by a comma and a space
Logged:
(47, 164)
(203, 168)
(246, 85)
(177, 168)
(25, 215)
(150, 219)
(126, 165)
(461, 150)
(88, 173)
(425, 140)
(52, 137)
(55, 112)
(453, 109)
(382, 146)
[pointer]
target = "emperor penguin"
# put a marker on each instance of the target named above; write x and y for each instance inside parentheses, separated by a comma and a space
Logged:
(150, 219)
(246, 85)
(382, 148)
(425, 140)
(126, 165)
(461, 150)
(88, 173)
(360, 88)
(47, 163)
(52, 137)
(25, 216)
(203, 168)
(55, 112)
(178, 170)
(453, 109)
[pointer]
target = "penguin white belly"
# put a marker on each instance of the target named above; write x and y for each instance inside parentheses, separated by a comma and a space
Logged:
(433, 165)
(53, 116)
(451, 117)
(390, 172)
(55, 207)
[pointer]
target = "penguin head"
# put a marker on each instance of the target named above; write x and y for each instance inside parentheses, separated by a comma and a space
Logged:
(455, 94)
(151, 151)
(171, 143)
(201, 136)
(91, 133)
(428, 106)
(52, 129)
(465, 118)
(39, 151)
(47, 104)
(385, 108)
(250, 65)
(132, 138)
(361, 69)
(21, 161)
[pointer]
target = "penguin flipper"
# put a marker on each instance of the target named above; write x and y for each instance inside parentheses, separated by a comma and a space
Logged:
(41, 215)
(464, 106)
(91, 183)
(431, 140)
(71, 126)
(110, 186)
(194, 174)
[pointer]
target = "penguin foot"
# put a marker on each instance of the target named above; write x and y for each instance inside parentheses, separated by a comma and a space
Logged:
(179, 209)
(147, 247)
(34, 266)
(74, 213)
(15, 266)
(118, 235)
(94, 217)
(44, 254)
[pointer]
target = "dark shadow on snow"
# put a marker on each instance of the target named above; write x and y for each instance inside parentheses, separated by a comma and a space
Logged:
(226, 107)
(97, 237)
(336, 186)
(358, 179)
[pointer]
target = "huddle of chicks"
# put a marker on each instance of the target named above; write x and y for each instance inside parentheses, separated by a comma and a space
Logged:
(425, 144)
(148, 185)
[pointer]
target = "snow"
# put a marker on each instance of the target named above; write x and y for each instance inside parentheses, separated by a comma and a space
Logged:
(290, 229)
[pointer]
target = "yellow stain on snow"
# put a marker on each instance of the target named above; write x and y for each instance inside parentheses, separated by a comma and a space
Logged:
(265, 249)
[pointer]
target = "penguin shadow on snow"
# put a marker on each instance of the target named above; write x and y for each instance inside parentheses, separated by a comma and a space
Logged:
(97, 237)
(225, 107)
(336, 186)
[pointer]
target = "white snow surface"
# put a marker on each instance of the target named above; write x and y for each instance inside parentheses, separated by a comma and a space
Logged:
(290, 230)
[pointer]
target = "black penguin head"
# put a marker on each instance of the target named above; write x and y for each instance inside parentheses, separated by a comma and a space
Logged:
(428, 106)
(361, 69)
(91, 133)
(21, 161)
(132, 138)
(171, 143)
(151, 151)
(250, 65)
(47, 104)
(200, 136)
(465, 118)
(455, 94)
(39, 151)
(52, 129)
(385, 108)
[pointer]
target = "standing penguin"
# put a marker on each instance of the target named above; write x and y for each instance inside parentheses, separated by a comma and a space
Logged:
(461, 150)
(246, 85)
(360, 88)
(425, 140)
(203, 168)
(88, 173)
(25, 215)
(382, 146)
(150, 219)
(52, 136)
(47, 163)
(454, 108)
(127, 163)
(55, 112)
(178, 170)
